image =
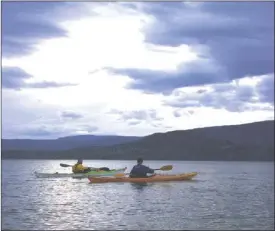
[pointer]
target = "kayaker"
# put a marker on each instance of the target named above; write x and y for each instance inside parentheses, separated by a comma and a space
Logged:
(79, 168)
(139, 170)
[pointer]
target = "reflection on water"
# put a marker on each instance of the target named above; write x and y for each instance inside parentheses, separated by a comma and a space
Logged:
(225, 196)
(139, 186)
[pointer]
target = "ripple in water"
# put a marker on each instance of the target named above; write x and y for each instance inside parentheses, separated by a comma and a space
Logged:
(226, 195)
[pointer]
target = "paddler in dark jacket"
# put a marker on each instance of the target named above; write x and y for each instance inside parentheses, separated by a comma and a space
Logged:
(139, 170)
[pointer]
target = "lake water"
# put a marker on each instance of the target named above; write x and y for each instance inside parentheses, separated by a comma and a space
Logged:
(225, 195)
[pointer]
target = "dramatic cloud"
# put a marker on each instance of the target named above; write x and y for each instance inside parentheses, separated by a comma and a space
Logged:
(236, 96)
(16, 78)
(134, 68)
(190, 74)
(32, 22)
(13, 77)
(266, 89)
(233, 40)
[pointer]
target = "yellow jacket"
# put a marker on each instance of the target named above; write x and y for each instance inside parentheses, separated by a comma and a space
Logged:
(78, 168)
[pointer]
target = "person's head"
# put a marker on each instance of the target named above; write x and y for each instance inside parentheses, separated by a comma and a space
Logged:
(139, 160)
(79, 161)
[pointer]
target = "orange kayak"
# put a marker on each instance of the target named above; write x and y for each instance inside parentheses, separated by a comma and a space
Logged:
(156, 178)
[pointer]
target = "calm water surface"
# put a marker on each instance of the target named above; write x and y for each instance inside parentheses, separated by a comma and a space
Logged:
(225, 195)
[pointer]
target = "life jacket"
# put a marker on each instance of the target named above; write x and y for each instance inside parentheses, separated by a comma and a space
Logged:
(78, 168)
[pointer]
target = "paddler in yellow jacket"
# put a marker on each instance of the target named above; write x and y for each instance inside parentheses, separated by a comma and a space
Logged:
(79, 168)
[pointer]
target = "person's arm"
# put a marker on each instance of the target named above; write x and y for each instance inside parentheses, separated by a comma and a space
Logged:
(131, 173)
(149, 170)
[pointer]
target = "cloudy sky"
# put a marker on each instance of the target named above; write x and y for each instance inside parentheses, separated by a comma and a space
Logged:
(134, 68)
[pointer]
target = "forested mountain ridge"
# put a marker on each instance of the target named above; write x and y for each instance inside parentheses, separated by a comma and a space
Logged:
(246, 142)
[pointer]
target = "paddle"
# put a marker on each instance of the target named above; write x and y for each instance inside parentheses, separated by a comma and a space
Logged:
(67, 165)
(163, 168)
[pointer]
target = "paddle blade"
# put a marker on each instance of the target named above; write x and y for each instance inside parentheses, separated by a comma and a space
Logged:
(166, 168)
(65, 165)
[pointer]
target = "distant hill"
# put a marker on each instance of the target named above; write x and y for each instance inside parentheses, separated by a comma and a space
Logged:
(246, 142)
(64, 143)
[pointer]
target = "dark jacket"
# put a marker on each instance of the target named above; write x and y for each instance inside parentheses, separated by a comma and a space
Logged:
(140, 170)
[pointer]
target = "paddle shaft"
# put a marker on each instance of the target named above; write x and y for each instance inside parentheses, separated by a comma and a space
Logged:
(91, 168)
(163, 168)
(129, 173)
(67, 165)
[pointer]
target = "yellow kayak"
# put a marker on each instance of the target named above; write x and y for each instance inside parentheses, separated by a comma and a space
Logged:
(155, 178)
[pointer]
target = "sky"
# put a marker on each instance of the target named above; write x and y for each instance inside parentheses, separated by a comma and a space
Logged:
(72, 68)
